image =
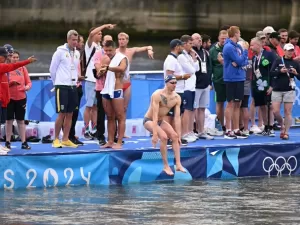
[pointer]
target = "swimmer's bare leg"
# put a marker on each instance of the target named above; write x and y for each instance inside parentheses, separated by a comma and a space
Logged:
(175, 144)
(163, 146)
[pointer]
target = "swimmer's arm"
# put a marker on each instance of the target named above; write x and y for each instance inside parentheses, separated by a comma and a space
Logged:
(177, 119)
(121, 68)
(155, 109)
(97, 30)
(178, 77)
(149, 50)
(143, 49)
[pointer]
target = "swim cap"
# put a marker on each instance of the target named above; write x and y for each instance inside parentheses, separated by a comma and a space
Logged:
(169, 77)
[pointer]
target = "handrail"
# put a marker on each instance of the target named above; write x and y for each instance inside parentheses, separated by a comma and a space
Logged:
(158, 72)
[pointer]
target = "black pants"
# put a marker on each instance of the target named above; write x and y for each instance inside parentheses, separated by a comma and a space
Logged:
(100, 116)
(75, 113)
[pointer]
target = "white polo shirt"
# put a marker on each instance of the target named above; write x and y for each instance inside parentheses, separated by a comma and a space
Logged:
(189, 67)
(88, 50)
(171, 63)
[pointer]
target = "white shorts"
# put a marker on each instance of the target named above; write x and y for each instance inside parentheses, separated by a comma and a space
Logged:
(284, 96)
(202, 98)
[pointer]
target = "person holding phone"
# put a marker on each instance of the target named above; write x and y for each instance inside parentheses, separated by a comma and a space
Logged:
(283, 72)
(19, 83)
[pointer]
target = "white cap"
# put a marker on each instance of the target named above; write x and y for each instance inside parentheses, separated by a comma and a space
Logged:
(268, 30)
(288, 47)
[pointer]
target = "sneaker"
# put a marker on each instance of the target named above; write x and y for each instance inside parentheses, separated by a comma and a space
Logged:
(169, 143)
(214, 132)
(254, 129)
(230, 135)
(189, 138)
(246, 132)
(2, 152)
(25, 146)
(68, 143)
(3, 148)
(184, 142)
(262, 127)
(88, 136)
(7, 145)
(271, 133)
(76, 141)
(240, 135)
(262, 133)
(205, 136)
(93, 133)
(102, 141)
(56, 144)
(192, 134)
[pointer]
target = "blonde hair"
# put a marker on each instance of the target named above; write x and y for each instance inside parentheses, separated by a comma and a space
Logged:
(122, 34)
(232, 31)
(223, 32)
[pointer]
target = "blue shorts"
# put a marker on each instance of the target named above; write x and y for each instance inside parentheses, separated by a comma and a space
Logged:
(90, 93)
(118, 94)
(188, 100)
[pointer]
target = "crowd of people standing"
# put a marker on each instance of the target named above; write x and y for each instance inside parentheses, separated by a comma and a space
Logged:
(262, 73)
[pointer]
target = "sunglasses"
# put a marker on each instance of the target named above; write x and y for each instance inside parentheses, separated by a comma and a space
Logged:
(173, 82)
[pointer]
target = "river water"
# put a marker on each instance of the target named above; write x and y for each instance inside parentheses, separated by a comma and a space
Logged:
(43, 51)
(241, 201)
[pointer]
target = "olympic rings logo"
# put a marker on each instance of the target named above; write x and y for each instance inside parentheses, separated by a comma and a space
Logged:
(280, 164)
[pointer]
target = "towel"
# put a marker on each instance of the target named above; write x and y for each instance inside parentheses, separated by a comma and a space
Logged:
(109, 85)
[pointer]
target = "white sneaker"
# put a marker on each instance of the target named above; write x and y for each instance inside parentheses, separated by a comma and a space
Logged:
(3, 148)
(246, 132)
(205, 136)
(262, 127)
(189, 138)
(192, 134)
(255, 129)
(214, 132)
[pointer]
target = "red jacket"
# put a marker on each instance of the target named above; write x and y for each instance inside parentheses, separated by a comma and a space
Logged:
(4, 88)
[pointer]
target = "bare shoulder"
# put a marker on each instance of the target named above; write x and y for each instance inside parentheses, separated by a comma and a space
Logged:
(177, 97)
(157, 95)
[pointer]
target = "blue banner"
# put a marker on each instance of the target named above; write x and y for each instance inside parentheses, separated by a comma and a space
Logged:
(138, 166)
(41, 101)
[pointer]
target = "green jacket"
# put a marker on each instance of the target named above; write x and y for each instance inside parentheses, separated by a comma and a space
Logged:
(217, 68)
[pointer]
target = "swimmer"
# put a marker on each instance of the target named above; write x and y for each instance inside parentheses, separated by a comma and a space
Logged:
(162, 101)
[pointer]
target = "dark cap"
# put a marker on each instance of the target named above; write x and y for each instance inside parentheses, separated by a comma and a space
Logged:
(175, 42)
(9, 48)
(3, 52)
(275, 35)
(169, 77)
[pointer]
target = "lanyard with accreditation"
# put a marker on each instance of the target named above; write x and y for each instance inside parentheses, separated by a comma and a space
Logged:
(72, 55)
(203, 62)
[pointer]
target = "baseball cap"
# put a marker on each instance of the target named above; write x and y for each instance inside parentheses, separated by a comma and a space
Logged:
(9, 48)
(175, 42)
(3, 52)
(260, 34)
(288, 47)
(268, 30)
(275, 35)
(169, 77)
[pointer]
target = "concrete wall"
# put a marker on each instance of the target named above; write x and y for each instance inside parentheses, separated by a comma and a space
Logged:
(143, 15)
